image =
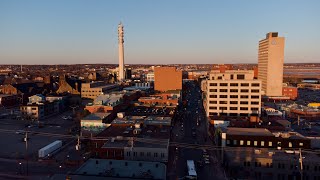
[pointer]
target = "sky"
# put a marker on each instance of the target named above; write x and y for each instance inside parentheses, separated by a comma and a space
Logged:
(156, 32)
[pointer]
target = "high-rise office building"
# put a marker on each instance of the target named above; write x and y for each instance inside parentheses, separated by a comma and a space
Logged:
(270, 64)
(121, 52)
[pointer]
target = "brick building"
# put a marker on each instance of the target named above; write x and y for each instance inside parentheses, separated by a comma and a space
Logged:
(291, 92)
(167, 78)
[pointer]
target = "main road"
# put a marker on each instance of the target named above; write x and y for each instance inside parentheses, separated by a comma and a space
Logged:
(191, 129)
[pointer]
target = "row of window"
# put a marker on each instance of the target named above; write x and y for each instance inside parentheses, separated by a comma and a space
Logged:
(98, 91)
(235, 90)
(235, 96)
(233, 108)
(255, 143)
(236, 84)
(234, 102)
(148, 154)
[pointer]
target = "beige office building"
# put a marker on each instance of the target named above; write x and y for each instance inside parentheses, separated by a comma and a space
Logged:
(270, 64)
(232, 93)
(93, 89)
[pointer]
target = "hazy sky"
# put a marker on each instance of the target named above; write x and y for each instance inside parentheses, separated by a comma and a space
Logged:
(163, 31)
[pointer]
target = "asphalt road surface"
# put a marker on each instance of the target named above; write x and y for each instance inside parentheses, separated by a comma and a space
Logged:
(191, 129)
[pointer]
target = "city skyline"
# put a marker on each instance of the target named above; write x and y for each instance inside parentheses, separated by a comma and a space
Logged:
(181, 32)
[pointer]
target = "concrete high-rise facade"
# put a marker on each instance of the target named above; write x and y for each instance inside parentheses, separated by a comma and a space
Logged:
(121, 52)
(270, 64)
(232, 93)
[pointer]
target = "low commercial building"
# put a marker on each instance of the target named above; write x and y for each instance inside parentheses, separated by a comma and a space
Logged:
(262, 163)
(160, 99)
(309, 86)
(94, 89)
(133, 149)
(119, 169)
(134, 138)
(262, 138)
(7, 100)
(39, 111)
(291, 92)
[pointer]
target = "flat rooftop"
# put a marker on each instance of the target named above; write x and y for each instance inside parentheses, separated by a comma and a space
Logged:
(248, 131)
(96, 116)
(136, 143)
(123, 169)
(127, 131)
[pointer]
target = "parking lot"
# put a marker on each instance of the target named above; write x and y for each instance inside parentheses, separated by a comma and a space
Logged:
(12, 134)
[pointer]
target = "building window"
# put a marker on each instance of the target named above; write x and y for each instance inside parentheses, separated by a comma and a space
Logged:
(223, 96)
(300, 144)
(162, 155)
(223, 84)
(141, 153)
(231, 76)
(248, 143)
(223, 90)
(234, 96)
(262, 143)
(213, 90)
(290, 144)
(233, 102)
(244, 90)
(234, 142)
(128, 154)
(223, 102)
(213, 107)
(254, 109)
(233, 108)
(254, 90)
(244, 84)
(243, 108)
(240, 76)
(134, 153)
(254, 97)
(228, 141)
(234, 84)
(148, 154)
(213, 102)
(270, 143)
(244, 97)
(255, 84)
(213, 84)
(255, 143)
(219, 77)
(241, 142)
(155, 155)
(213, 96)
(223, 108)
(233, 90)
(243, 102)
(254, 102)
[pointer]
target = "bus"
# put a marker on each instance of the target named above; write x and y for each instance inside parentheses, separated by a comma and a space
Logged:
(192, 174)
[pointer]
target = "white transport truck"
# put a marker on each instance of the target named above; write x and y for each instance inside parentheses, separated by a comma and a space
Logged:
(43, 152)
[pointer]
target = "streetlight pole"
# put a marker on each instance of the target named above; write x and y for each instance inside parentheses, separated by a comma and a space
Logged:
(301, 165)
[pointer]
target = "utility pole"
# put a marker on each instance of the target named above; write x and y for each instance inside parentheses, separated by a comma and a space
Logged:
(78, 144)
(26, 140)
(74, 109)
(301, 165)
